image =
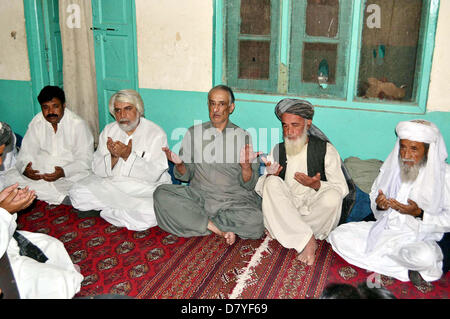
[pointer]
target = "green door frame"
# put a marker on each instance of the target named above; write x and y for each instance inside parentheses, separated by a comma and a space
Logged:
(34, 24)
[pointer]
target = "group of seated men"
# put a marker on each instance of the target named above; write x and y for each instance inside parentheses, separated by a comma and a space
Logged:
(297, 201)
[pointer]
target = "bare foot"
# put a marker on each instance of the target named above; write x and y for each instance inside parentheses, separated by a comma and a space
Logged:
(230, 237)
(308, 255)
(268, 234)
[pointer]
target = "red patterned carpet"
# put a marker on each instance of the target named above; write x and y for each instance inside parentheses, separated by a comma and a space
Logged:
(154, 264)
(343, 272)
(279, 275)
(203, 268)
(113, 260)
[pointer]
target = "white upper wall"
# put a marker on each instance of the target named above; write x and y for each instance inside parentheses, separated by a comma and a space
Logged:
(439, 90)
(14, 63)
(175, 47)
(174, 39)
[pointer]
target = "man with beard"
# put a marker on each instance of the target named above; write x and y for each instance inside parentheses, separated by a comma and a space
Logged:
(128, 164)
(217, 160)
(56, 150)
(304, 186)
(410, 200)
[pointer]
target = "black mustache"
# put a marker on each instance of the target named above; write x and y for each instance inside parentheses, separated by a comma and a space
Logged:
(51, 115)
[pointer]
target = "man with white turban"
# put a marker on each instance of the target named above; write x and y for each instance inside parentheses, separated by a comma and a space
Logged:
(304, 183)
(56, 150)
(128, 164)
(410, 200)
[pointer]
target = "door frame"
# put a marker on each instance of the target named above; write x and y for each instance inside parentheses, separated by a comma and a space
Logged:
(34, 24)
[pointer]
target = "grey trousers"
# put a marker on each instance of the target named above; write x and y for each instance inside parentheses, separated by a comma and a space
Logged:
(180, 210)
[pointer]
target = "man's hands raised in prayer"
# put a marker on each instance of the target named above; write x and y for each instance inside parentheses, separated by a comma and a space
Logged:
(57, 174)
(118, 150)
(14, 199)
(272, 168)
(31, 173)
(384, 203)
(247, 156)
(174, 158)
(49, 177)
(313, 182)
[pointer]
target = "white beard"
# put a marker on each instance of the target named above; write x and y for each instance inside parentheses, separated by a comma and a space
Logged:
(408, 174)
(295, 146)
(131, 126)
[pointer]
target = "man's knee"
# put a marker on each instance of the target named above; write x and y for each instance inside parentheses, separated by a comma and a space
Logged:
(330, 199)
(423, 254)
(161, 193)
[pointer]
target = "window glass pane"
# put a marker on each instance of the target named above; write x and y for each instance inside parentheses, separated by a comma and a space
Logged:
(322, 18)
(255, 17)
(389, 49)
(254, 59)
(319, 55)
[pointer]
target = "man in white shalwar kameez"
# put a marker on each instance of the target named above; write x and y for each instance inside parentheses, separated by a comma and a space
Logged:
(302, 194)
(410, 200)
(56, 150)
(128, 165)
(54, 278)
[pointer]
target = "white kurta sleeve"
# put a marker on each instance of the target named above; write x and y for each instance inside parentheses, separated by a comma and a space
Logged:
(333, 171)
(101, 164)
(82, 149)
(30, 148)
(7, 227)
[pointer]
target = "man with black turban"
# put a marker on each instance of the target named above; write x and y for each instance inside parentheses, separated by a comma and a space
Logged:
(304, 184)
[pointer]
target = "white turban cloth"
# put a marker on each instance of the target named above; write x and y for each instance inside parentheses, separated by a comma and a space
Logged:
(429, 190)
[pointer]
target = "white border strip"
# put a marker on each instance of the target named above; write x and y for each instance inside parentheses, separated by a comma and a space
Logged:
(245, 276)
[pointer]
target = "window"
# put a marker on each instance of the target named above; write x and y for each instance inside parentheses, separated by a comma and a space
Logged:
(373, 54)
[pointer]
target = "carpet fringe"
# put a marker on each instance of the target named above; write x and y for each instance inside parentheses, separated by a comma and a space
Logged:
(241, 281)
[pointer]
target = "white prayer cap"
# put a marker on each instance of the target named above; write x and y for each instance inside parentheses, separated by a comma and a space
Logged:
(418, 131)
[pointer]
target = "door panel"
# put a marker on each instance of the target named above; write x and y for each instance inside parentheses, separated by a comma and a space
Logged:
(53, 41)
(44, 45)
(114, 31)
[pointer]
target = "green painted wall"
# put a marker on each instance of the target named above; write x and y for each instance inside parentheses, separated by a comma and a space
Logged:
(16, 104)
(366, 134)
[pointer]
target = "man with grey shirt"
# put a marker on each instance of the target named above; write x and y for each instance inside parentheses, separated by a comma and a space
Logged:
(216, 158)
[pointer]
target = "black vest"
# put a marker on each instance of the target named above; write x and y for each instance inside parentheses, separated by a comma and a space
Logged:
(315, 158)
